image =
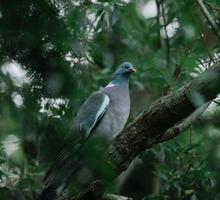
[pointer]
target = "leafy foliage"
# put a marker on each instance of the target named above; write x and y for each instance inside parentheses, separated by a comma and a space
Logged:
(188, 178)
(54, 53)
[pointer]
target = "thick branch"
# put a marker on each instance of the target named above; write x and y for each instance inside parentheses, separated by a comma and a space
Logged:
(162, 118)
(166, 112)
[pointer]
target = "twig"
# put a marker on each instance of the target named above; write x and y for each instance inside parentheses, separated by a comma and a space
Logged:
(158, 22)
(160, 9)
(209, 18)
(177, 129)
(190, 135)
(115, 197)
(200, 34)
(212, 6)
(167, 38)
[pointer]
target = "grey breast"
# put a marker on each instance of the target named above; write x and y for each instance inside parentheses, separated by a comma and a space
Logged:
(117, 114)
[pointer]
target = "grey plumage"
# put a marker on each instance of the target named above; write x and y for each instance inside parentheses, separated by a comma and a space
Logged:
(115, 118)
(104, 115)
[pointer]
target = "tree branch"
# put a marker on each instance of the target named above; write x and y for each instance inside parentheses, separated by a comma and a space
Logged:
(163, 119)
(177, 129)
(150, 126)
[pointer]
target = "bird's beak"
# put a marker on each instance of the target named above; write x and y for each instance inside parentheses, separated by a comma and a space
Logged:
(132, 69)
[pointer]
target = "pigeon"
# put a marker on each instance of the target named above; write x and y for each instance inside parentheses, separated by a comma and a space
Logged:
(103, 115)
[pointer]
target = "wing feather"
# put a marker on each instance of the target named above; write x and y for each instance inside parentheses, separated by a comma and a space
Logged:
(91, 111)
(88, 116)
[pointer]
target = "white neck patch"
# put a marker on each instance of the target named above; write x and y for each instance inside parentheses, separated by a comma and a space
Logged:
(110, 85)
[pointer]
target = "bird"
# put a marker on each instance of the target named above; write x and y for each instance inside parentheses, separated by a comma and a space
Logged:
(103, 115)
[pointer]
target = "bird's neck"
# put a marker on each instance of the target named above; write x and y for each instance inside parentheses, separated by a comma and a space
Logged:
(120, 81)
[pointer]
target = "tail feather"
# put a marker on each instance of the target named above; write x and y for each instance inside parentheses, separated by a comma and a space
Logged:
(64, 167)
(60, 180)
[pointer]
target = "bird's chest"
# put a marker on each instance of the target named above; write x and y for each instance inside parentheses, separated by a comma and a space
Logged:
(115, 118)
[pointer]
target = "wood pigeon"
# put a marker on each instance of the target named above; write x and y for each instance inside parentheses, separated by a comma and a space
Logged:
(104, 115)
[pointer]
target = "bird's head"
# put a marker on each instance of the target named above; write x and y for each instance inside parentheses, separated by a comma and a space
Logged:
(125, 70)
(122, 74)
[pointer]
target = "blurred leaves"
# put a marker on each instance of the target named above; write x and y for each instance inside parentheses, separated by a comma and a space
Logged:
(54, 53)
(182, 173)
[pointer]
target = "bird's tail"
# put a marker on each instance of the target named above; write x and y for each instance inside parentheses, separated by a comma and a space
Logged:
(57, 182)
(68, 162)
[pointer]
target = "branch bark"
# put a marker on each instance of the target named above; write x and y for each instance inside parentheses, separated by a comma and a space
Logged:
(180, 127)
(150, 126)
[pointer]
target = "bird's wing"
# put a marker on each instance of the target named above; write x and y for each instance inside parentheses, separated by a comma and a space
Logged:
(87, 118)
(91, 112)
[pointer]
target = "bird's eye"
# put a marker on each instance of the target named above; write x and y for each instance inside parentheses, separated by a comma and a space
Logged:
(126, 67)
